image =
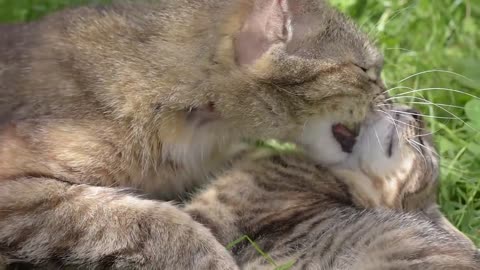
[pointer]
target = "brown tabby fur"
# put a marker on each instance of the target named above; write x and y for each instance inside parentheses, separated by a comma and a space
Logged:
(299, 211)
(154, 96)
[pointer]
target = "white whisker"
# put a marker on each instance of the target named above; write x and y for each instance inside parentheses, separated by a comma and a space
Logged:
(438, 104)
(414, 145)
(393, 121)
(433, 71)
(412, 91)
(401, 122)
(378, 138)
(455, 117)
(426, 147)
(425, 115)
(426, 134)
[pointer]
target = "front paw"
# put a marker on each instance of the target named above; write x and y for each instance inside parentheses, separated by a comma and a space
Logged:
(176, 241)
(196, 248)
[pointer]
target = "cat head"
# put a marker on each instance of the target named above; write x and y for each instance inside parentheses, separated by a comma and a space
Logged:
(275, 68)
(393, 162)
(284, 63)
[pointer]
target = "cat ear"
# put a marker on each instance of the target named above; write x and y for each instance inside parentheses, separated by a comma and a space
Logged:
(268, 23)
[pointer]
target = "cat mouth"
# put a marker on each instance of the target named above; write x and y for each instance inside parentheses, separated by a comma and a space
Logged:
(346, 135)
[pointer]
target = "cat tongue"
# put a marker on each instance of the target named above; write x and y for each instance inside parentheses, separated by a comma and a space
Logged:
(344, 136)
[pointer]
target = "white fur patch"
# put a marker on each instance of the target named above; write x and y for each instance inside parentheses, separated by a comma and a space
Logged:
(201, 149)
(318, 141)
(371, 149)
(377, 135)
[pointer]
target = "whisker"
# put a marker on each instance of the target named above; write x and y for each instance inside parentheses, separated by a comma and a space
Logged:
(431, 150)
(412, 91)
(403, 123)
(433, 71)
(455, 117)
(425, 115)
(414, 145)
(439, 104)
(426, 134)
(378, 138)
(427, 102)
(392, 120)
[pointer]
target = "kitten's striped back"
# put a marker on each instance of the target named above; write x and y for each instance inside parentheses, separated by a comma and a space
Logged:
(295, 210)
(374, 210)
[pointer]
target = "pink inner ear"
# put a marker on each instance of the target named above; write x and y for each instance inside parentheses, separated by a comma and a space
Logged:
(267, 24)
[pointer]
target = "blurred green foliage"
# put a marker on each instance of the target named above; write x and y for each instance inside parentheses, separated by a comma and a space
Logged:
(432, 61)
(27, 10)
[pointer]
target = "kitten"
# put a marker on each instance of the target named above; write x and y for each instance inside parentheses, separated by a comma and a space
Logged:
(154, 96)
(366, 210)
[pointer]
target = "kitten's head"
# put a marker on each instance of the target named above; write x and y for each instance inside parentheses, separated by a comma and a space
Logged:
(289, 62)
(392, 164)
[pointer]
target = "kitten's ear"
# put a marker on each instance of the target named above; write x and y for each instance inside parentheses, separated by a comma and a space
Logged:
(268, 23)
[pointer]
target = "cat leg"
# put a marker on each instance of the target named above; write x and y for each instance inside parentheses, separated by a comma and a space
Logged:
(45, 221)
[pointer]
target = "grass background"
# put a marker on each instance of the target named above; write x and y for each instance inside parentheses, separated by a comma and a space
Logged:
(432, 62)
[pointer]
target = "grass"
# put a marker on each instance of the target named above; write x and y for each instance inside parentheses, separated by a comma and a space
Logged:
(432, 62)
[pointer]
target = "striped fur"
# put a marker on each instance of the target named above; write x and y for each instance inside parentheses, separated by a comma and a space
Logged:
(298, 210)
(55, 225)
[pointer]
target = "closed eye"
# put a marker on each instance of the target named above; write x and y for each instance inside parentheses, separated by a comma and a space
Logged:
(361, 67)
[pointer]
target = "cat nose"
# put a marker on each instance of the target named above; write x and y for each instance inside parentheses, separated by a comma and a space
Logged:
(372, 74)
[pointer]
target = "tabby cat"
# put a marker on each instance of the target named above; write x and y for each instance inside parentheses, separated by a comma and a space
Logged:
(154, 96)
(372, 209)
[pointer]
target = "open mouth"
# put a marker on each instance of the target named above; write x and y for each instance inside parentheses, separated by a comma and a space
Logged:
(346, 136)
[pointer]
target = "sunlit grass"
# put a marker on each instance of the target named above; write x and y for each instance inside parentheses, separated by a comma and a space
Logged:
(429, 45)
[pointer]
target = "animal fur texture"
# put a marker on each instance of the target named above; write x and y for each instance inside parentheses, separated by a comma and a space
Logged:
(154, 96)
(372, 209)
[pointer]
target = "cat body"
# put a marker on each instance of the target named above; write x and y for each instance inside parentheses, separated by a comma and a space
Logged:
(129, 95)
(154, 96)
(326, 217)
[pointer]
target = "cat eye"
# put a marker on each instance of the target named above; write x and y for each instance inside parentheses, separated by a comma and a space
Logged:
(364, 69)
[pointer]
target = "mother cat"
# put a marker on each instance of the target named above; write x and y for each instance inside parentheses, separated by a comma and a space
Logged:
(154, 96)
